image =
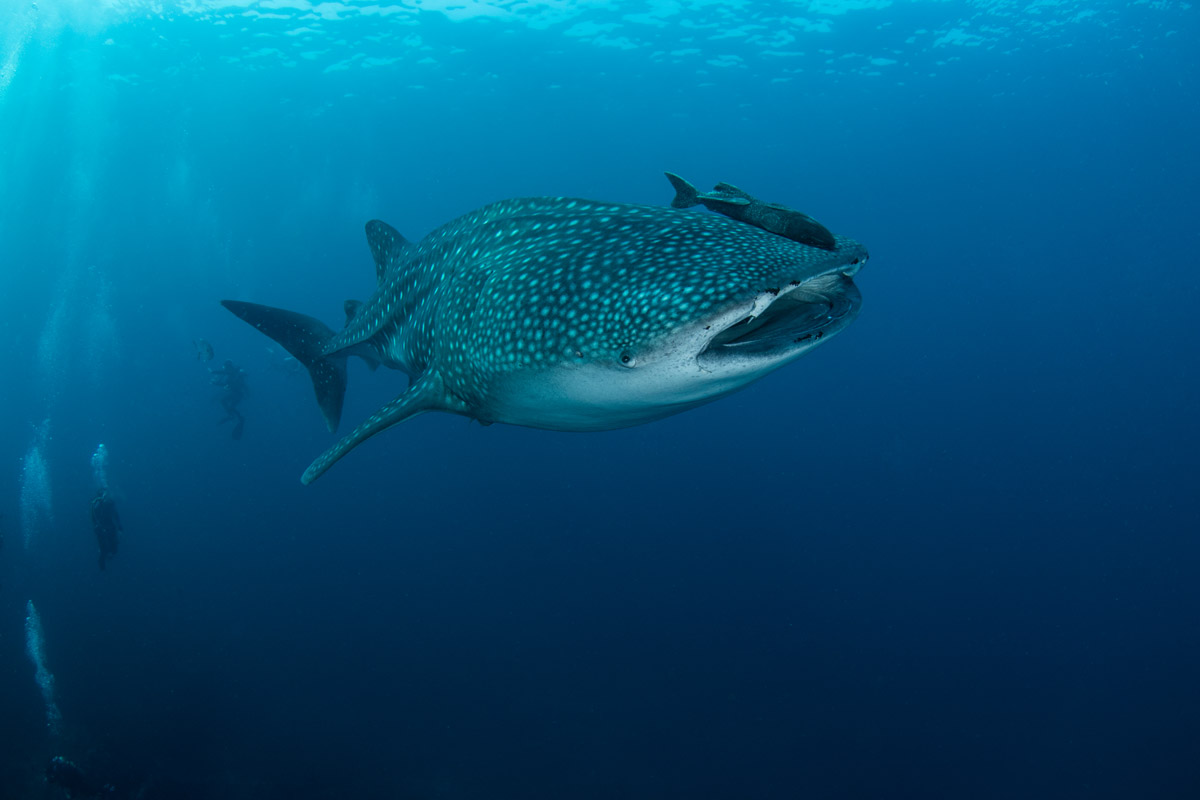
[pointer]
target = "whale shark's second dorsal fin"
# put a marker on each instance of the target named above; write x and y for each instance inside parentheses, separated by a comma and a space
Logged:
(387, 246)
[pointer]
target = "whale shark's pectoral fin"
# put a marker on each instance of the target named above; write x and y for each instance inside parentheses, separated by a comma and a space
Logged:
(425, 394)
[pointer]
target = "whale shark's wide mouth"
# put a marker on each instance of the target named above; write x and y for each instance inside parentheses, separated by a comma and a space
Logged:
(795, 319)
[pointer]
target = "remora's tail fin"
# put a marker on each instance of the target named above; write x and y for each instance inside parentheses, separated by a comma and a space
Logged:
(305, 338)
(685, 193)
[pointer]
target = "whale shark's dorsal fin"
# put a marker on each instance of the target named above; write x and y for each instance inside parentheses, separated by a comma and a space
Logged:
(387, 246)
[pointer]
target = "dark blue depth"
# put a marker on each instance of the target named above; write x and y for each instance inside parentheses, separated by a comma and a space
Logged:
(951, 554)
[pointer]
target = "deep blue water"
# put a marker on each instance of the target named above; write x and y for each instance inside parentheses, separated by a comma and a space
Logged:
(953, 553)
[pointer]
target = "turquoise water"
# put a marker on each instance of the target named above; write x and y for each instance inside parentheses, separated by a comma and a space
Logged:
(951, 553)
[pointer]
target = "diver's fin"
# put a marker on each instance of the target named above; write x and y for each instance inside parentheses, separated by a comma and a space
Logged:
(387, 246)
(685, 193)
(425, 394)
(305, 338)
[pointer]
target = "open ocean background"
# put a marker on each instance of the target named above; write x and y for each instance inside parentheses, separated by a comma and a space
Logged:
(952, 554)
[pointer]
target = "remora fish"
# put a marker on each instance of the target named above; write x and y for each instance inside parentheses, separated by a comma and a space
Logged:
(731, 201)
(572, 315)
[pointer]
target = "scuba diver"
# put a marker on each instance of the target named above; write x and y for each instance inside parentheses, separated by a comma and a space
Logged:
(72, 780)
(106, 524)
(204, 350)
(232, 380)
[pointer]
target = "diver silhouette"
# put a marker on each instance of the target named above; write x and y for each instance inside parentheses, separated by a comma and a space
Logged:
(73, 781)
(106, 524)
(232, 380)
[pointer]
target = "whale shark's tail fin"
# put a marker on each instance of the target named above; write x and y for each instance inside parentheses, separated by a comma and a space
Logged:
(686, 195)
(306, 339)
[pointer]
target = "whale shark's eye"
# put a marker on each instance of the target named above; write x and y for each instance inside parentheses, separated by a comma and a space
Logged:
(627, 359)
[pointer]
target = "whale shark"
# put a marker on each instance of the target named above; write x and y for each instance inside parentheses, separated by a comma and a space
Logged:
(571, 314)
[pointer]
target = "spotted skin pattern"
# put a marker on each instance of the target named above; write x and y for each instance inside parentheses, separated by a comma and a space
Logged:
(537, 286)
